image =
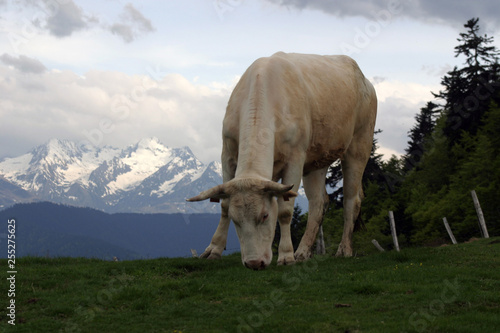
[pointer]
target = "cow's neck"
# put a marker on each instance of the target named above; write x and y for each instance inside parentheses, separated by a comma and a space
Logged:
(256, 141)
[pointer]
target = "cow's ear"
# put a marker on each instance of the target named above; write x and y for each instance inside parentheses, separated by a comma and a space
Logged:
(214, 194)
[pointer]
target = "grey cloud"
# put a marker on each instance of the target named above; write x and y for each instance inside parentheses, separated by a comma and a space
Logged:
(137, 17)
(66, 19)
(60, 18)
(378, 79)
(63, 18)
(132, 24)
(453, 12)
(336, 7)
(23, 63)
(124, 31)
(459, 11)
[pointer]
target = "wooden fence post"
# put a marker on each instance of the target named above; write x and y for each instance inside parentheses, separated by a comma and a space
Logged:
(480, 216)
(393, 230)
(447, 226)
(320, 242)
(377, 245)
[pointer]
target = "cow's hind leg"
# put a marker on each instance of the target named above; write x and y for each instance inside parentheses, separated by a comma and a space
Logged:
(292, 175)
(353, 166)
(314, 186)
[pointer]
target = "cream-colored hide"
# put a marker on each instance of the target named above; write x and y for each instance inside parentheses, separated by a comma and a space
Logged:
(289, 118)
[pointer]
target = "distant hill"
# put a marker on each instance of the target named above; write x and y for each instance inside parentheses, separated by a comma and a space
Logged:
(55, 230)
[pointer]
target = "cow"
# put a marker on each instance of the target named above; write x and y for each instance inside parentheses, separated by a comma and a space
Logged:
(289, 118)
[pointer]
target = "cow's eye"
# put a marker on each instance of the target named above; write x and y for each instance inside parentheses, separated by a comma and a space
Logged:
(265, 216)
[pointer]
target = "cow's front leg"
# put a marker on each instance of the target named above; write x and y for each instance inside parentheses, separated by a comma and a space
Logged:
(218, 243)
(314, 186)
(285, 249)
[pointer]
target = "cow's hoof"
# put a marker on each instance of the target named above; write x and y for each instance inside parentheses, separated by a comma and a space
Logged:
(343, 251)
(210, 253)
(302, 255)
(214, 256)
(286, 260)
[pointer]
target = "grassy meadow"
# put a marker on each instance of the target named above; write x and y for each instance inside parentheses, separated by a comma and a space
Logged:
(445, 289)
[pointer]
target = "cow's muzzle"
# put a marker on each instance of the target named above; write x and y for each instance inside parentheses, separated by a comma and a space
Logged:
(255, 264)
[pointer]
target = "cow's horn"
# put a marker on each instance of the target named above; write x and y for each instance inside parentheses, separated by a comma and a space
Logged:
(217, 192)
(277, 188)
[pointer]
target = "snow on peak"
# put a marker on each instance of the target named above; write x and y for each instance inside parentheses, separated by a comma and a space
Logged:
(144, 159)
(148, 152)
(15, 166)
(63, 149)
(112, 174)
(216, 167)
(60, 143)
(150, 143)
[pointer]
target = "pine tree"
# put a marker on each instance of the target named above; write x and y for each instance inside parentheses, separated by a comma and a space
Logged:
(475, 48)
(334, 180)
(423, 128)
(458, 153)
(373, 171)
(469, 90)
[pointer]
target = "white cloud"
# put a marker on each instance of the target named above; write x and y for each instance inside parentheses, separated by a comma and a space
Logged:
(107, 107)
(412, 92)
(398, 103)
(110, 108)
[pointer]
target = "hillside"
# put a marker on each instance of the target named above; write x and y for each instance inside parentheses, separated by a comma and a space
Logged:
(447, 289)
(47, 229)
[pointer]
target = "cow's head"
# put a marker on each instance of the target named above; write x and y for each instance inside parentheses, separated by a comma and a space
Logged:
(253, 207)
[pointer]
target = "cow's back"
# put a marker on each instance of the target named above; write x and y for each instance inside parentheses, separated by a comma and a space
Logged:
(337, 103)
(317, 104)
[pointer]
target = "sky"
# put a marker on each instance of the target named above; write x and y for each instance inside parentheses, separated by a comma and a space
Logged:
(112, 72)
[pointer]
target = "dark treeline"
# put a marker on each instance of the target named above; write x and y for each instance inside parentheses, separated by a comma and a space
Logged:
(453, 148)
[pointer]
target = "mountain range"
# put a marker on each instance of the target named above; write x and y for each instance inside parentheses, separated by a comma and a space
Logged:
(146, 177)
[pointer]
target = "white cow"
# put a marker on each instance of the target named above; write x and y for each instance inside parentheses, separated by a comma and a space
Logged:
(290, 117)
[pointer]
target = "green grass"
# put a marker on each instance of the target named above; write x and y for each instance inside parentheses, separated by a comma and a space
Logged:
(446, 289)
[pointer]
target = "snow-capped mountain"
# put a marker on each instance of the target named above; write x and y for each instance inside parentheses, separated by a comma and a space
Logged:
(146, 177)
